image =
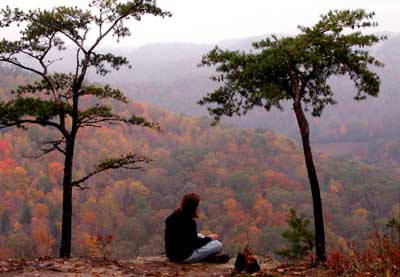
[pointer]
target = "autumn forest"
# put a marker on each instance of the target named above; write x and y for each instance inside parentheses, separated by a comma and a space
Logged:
(243, 199)
(249, 171)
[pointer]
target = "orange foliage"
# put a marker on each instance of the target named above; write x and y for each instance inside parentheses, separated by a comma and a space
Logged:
(41, 211)
(263, 210)
(55, 171)
(334, 186)
(99, 246)
(42, 239)
(275, 178)
(234, 211)
(88, 217)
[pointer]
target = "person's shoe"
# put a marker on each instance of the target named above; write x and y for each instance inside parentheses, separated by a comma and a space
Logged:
(217, 258)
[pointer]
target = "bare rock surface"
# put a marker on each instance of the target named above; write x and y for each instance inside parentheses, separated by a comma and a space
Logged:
(140, 266)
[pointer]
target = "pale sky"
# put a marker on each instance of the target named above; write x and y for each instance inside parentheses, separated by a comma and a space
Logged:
(209, 21)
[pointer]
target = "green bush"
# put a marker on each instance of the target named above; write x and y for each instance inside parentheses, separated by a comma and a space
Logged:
(300, 238)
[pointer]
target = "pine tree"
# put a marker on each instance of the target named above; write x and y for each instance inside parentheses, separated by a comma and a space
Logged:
(297, 69)
(300, 239)
(55, 100)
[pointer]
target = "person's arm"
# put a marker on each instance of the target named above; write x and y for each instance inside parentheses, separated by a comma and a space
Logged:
(197, 242)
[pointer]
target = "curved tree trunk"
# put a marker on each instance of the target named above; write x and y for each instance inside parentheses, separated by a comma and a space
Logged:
(312, 176)
(65, 247)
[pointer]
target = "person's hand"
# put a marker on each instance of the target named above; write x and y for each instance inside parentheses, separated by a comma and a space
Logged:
(213, 236)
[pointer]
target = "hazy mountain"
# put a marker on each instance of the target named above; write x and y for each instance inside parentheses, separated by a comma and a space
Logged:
(167, 75)
(177, 84)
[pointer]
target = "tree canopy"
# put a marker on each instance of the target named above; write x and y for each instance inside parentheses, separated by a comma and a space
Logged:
(277, 67)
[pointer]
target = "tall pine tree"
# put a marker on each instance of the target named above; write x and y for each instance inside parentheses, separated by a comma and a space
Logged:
(55, 99)
(297, 69)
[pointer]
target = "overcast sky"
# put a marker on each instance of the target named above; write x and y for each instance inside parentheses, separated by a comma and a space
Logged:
(208, 21)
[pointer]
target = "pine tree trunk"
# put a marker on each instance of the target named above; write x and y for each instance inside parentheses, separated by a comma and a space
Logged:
(312, 176)
(65, 247)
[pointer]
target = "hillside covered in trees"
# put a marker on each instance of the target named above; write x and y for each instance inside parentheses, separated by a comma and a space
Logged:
(247, 179)
(367, 131)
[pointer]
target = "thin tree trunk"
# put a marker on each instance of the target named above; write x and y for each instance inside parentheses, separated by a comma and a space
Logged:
(312, 176)
(65, 248)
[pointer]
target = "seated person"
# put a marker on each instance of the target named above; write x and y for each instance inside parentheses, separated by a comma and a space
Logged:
(182, 242)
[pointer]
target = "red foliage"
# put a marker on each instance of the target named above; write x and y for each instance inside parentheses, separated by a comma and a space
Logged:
(7, 164)
(380, 255)
(101, 246)
(5, 147)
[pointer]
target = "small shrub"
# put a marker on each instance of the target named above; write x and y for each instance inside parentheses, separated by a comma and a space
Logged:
(300, 238)
(379, 256)
(101, 246)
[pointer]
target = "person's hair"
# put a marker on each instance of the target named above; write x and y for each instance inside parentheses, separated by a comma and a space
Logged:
(189, 204)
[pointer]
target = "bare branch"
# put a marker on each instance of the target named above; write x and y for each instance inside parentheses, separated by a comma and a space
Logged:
(18, 64)
(99, 39)
(43, 153)
(81, 187)
(55, 145)
(95, 120)
(45, 52)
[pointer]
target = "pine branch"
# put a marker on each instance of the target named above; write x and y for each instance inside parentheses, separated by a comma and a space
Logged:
(103, 114)
(126, 162)
(55, 145)
(104, 92)
(30, 110)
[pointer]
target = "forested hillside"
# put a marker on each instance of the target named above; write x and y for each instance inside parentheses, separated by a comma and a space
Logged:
(247, 180)
(167, 76)
(360, 130)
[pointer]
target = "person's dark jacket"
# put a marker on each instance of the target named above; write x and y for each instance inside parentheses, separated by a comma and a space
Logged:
(181, 236)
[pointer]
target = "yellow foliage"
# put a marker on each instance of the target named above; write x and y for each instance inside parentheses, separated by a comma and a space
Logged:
(360, 212)
(139, 188)
(37, 195)
(92, 200)
(395, 210)
(323, 157)
(282, 143)
(20, 171)
(342, 242)
(334, 186)
(17, 227)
